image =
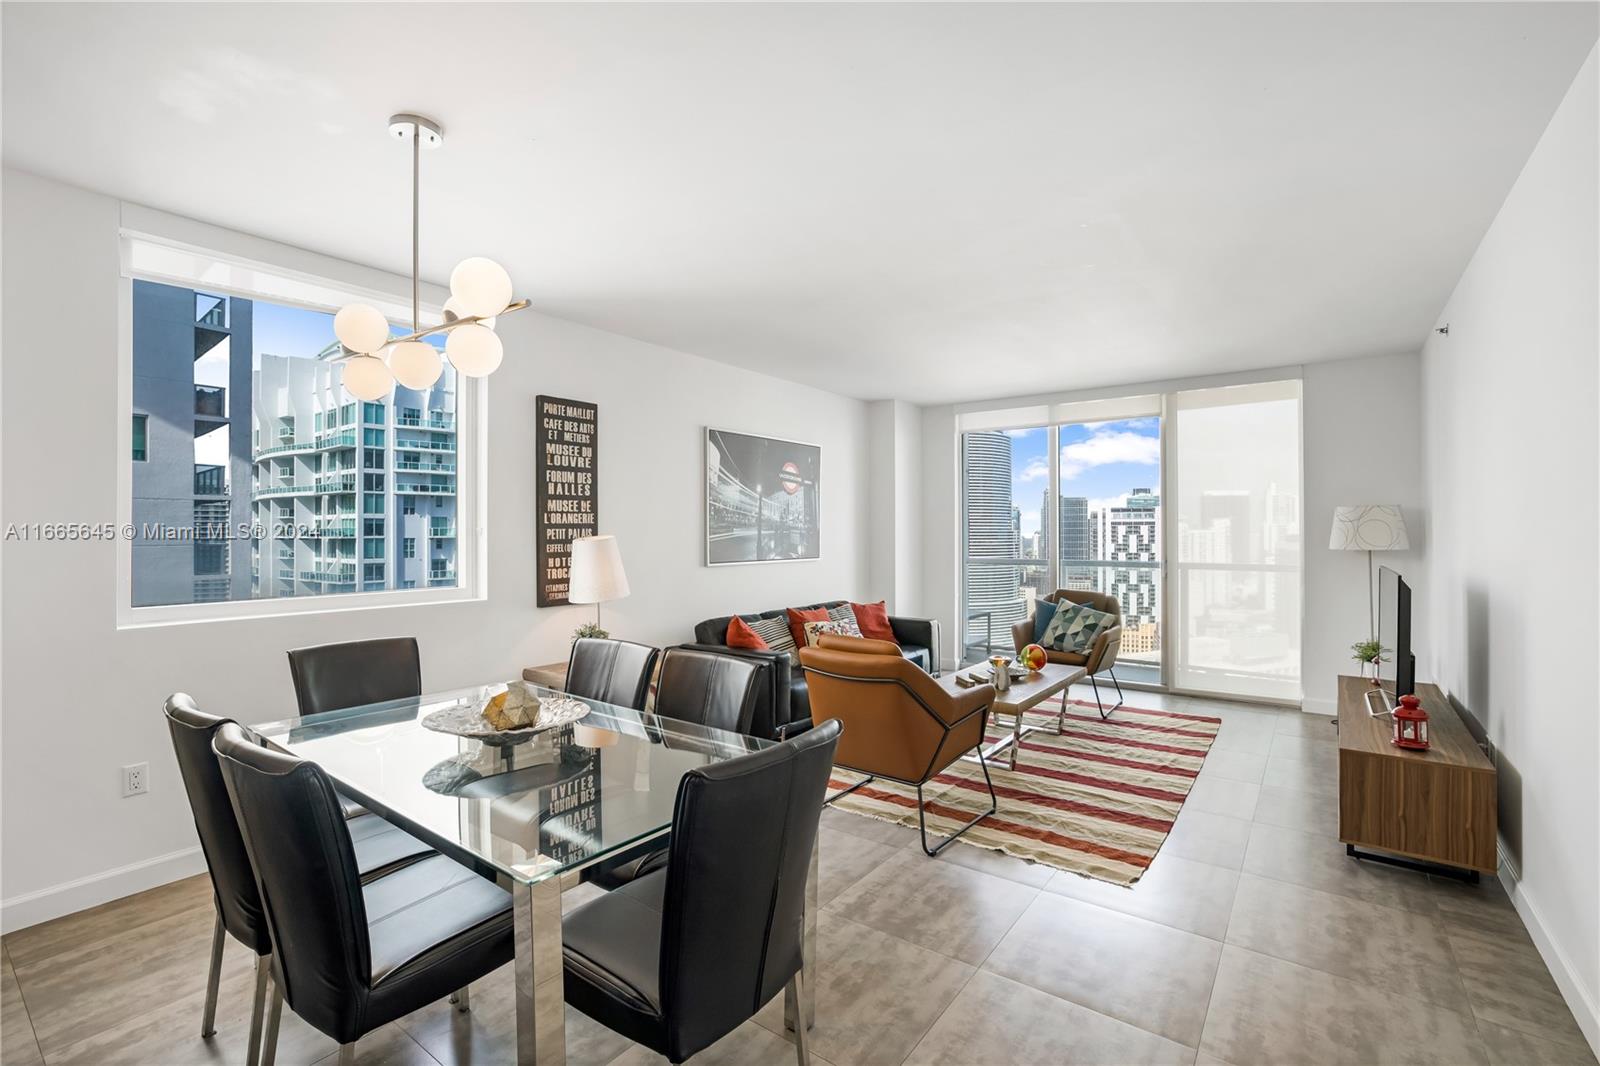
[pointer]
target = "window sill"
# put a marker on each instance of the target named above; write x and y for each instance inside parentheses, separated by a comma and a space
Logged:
(180, 614)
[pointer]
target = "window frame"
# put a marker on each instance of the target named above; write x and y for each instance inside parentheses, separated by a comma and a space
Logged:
(139, 427)
(332, 283)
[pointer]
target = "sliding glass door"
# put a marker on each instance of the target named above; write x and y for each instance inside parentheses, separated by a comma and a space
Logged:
(1094, 496)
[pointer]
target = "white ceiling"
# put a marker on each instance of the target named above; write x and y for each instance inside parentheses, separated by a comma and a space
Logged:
(930, 202)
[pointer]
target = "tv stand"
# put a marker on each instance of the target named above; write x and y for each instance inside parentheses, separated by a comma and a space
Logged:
(1431, 810)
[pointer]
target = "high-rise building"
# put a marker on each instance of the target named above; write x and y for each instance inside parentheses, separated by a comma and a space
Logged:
(1077, 543)
(191, 445)
(331, 517)
(994, 596)
(1132, 532)
(1233, 508)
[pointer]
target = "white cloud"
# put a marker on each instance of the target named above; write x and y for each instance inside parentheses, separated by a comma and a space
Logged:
(1103, 449)
(1037, 470)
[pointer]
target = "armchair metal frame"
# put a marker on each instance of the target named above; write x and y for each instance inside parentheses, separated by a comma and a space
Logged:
(947, 728)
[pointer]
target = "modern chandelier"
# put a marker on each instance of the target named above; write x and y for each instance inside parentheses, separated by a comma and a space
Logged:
(480, 292)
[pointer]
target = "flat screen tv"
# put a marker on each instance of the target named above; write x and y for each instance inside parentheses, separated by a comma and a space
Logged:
(1394, 632)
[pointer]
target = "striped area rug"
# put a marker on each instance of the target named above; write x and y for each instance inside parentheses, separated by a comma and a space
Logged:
(1097, 800)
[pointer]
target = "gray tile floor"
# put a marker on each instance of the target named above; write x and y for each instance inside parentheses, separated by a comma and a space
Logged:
(1252, 939)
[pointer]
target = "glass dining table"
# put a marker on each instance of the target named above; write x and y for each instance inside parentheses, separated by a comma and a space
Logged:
(530, 813)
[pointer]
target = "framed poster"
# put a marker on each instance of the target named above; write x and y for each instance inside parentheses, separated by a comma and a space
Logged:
(564, 470)
(762, 499)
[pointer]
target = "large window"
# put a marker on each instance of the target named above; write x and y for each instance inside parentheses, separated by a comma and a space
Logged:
(1095, 496)
(1236, 484)
(251, 479)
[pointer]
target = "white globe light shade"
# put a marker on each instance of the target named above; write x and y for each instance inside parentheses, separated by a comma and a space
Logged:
(361, 328)
(474, 350)
(366, 377)
(480, 286)
(416, 365)
(454, 307)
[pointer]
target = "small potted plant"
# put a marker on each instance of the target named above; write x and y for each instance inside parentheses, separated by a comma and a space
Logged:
(1369, 653)
(589, 629)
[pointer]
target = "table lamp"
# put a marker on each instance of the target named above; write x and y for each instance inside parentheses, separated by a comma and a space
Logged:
(1369, 527)
(595, 575)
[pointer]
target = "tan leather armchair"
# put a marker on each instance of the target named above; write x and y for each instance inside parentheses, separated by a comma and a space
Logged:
(899, 723)
(1102, 654)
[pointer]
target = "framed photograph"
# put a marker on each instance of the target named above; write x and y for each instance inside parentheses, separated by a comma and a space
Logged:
(762, 499)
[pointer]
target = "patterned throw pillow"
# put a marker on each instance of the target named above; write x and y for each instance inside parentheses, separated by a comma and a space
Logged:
(843, 627)
(1075, 626)
(775, 631)
(842, 613)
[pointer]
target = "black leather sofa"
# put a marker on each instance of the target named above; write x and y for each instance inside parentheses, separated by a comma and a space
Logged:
(785, 702)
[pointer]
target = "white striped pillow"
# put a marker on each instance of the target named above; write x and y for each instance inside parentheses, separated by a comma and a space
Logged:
(775, 632)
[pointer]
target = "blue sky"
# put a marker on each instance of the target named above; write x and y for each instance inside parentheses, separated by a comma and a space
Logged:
(295, 331)
(1100, 460)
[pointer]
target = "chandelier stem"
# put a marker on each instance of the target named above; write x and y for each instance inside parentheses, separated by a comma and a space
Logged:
(416, 215)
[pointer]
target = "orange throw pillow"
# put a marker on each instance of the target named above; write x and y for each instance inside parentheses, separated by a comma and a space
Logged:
(740, 635)
(873, 621)
(798, 620)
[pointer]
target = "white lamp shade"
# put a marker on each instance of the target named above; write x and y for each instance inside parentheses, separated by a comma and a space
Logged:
(474, 350)
(361, 328)
(480, 286)
(1373, 527)
(366, 377)
(416, 365)
(596, 572)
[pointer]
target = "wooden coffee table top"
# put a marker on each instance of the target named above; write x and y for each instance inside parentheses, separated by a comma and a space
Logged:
(1030, 691)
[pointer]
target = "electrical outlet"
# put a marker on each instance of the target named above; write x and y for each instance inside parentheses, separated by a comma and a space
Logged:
(136, 779)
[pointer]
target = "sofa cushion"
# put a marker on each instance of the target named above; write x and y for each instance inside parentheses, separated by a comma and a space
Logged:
(873, 620)
(798, 617)
(740, 635)
(840, 627)
(1043, 612)
(1074, 628)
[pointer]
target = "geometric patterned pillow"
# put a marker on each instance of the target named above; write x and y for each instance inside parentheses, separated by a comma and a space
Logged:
(1074, 628)
(842, 613)
(775, 631)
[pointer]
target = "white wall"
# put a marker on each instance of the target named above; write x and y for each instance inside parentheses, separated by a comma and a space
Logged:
(895, 507)
(1361, 444)
(82, 698)
(1512, 462)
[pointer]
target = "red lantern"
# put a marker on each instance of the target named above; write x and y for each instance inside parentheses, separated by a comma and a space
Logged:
(1411, 724)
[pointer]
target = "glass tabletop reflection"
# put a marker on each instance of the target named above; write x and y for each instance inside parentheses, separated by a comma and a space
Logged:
(530, 806)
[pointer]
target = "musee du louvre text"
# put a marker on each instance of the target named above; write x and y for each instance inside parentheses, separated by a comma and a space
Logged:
(565, 472)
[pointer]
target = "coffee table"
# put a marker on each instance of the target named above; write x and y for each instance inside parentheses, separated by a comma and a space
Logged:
(1024, 695)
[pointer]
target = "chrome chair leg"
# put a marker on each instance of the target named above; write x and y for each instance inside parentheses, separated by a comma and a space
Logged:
(258, 1008)
(462, 1000)
(922, 821)
(347, 1054)
(802, 1045)
(208, 1021)
(269, 1049)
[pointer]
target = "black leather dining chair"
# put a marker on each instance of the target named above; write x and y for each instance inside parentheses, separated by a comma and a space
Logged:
(681, 957)
(332, 677)
(612, 671)
(350, 957)
(378, 848)
(707, 689)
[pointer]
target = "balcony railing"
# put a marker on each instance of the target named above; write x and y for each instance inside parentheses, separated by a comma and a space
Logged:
(210, 480)
(424, 488)
(284, 490)
(424, 444)
(435, 420)
(442, 529)
(211, 401)
(436, 468)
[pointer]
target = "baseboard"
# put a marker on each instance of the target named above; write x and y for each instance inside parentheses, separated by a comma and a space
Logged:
(1326, 708)
(1580, 1000)
(69, 897)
